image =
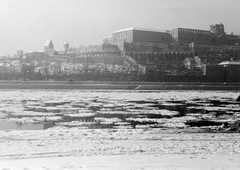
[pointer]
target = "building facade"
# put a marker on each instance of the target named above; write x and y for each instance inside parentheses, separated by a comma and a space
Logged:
(49, 48)
(231, 71)
(65, 46)
(225, 39)
(217, 29)
(141, 37)
(107, 40)
(221, 38)
(186, 36)
(179, 39)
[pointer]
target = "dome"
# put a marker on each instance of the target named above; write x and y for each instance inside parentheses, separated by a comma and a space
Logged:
(65, 43)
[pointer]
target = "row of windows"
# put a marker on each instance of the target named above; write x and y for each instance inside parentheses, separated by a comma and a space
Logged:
(193, 31)
(152, 40)
(125, 35)
(194, 36)
(145, 38)
(193, 39)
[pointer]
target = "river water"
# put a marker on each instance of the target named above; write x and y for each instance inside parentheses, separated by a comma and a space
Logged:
(42, 109)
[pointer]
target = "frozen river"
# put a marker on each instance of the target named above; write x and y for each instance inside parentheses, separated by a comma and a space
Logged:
(41, 109)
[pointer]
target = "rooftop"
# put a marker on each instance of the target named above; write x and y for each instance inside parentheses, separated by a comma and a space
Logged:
(141, 29)
(49, 44)
(230, 63)
(108, 37)
(66, 42)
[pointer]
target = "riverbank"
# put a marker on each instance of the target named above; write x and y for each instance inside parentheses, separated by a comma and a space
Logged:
(118, 85)
(105, 149)
(126, 162)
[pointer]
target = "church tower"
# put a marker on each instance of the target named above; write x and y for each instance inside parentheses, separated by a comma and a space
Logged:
(217, 29)
(65, 46)
(49, 48)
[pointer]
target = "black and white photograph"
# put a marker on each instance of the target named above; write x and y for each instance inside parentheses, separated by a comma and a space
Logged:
(119, 85)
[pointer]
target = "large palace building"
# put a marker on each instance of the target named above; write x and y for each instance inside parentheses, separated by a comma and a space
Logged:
(184, 35)
(178, 39)
(141, 39)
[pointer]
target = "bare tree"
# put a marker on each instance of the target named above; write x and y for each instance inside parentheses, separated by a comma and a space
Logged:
(20, 54)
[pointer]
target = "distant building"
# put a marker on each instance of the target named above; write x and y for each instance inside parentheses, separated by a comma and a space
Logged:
(186, 36)
(141, 39)
(217, 29)
(107, 40)
(179, 39)
(225, 39)
(49, 48)
(221, 38)
(65, 46)
(109, 47)
(27, 71)
(231, 70)
(226, 71)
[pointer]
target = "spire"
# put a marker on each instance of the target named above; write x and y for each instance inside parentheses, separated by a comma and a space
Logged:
(49, 44)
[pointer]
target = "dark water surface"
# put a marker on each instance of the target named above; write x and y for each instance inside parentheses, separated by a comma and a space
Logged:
(41, 109)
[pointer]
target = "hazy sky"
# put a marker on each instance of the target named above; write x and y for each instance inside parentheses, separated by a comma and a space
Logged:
(27, 24)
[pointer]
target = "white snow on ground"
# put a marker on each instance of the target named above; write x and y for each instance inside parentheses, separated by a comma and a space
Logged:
(126, 162)
(129, 149)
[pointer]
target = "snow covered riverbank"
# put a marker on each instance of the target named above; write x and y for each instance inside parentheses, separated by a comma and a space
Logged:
(117, 149)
